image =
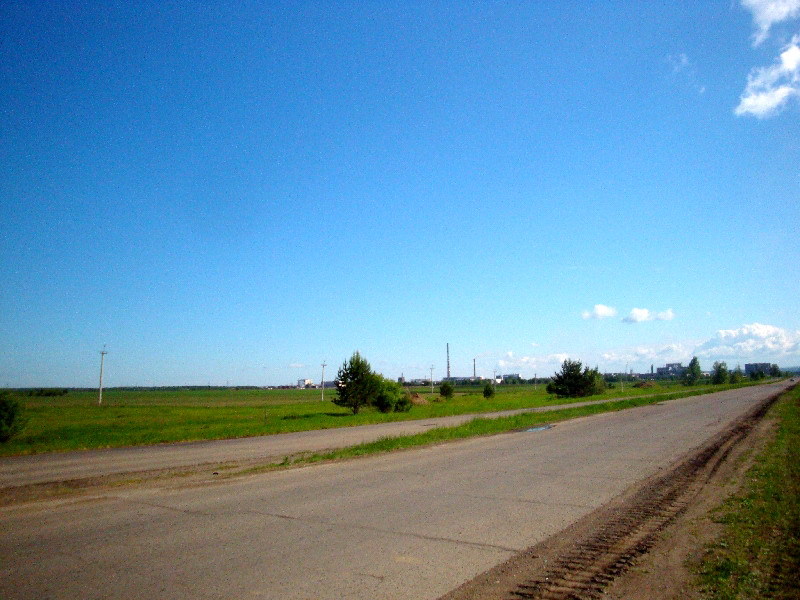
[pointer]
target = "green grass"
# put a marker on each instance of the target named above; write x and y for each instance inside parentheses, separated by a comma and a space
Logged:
(758, 555)
(138, 417)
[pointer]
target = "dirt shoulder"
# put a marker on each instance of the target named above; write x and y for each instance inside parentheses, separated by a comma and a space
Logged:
(665, 571)
(640, 545)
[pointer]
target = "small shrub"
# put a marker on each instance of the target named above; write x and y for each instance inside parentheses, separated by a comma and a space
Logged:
(404, 403)
(11, 418)
(488, 390)
(446, 390)
(392, 397)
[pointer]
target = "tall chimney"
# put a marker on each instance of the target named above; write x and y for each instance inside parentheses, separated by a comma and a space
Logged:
(448, 361)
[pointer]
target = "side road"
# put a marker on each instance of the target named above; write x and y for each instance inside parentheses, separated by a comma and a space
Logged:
(69, 466)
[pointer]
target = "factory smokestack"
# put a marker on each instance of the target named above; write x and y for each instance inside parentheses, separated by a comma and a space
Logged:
(448, 361)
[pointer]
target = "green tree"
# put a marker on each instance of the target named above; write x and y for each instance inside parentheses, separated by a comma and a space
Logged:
(392, 397)
(693, 372)
(488, 390)
(12, 419)
(576, 381)
(446, 390)
(356, 385)
(774, 371)
(736, 375)
(720, 374)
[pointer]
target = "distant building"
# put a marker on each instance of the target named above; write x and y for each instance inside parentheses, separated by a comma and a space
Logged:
(750, 368)
(463, 380)
(304, 383)
(671, 370)
(511, 377)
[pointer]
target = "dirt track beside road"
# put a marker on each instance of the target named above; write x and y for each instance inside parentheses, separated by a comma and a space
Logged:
(637, 546)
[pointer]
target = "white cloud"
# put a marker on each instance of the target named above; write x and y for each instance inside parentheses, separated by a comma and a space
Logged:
(666, 315)
(640, 315)
(296, 366)
(767, 13)
(531, 363)
(657, 354)
(756, 342)
(769, 88)
(600, 311)
(679, 62)
(683, 69)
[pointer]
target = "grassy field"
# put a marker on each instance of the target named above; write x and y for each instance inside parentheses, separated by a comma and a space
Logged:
(758, 555)
(138, 417)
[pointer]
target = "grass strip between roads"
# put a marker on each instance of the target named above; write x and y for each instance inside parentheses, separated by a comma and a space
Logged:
(758, 554)
(474, 428)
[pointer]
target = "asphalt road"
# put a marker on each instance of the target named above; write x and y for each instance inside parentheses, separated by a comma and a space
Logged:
(408, 525)
(67, 466)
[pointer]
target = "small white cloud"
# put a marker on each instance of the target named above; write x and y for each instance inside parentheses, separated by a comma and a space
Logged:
(641, 315)
(638, 315)
(754, 341)
(296, 366)
(600, 311)
(769, 88)
(767, 13)
(679, 62)
(683, 69)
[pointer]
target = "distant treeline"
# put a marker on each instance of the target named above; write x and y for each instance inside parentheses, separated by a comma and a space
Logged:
(43, 392)
(178, 388)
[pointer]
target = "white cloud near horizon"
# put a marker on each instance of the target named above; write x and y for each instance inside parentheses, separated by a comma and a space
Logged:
(642, 315)
(769, 89)
(544, 361)
(600, 311)
(296, 366)
(767, 13)
(662, 354)
(757, 341)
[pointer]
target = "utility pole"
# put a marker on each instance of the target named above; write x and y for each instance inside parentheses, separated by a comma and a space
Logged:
(474, 376)
(323, 381)
(535, 381)
(431, 379)
(100, 389)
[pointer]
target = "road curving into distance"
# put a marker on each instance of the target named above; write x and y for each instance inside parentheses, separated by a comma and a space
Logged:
(405, 525)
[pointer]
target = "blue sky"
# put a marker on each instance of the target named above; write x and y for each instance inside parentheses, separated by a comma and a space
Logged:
(237, 192)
